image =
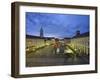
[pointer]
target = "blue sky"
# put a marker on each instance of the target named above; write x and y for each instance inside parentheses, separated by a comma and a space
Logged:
(56, 25)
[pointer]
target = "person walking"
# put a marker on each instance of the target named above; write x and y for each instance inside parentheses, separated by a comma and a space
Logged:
(56, 46)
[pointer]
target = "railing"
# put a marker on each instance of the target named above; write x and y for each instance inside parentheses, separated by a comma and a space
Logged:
(80, 49)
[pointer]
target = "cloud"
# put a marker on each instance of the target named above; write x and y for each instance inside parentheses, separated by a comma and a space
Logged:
(62, 25)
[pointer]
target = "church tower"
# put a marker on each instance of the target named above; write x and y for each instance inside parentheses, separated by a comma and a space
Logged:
(77, 33)
(41, 32)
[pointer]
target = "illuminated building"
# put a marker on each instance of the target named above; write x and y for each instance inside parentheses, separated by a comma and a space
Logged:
(80, 42)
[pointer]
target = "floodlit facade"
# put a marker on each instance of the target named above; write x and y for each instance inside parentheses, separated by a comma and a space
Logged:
(80, 42)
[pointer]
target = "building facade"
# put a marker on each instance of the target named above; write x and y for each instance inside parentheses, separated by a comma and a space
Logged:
(80, 42)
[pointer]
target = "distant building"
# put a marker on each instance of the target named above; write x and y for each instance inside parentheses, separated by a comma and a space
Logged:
(81, 42)
(67, 40)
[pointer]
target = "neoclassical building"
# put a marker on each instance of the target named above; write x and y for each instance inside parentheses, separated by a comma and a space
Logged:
(33, 42)
(81, 42)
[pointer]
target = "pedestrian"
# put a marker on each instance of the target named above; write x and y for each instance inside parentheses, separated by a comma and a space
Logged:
(56, 46)
(62, 47)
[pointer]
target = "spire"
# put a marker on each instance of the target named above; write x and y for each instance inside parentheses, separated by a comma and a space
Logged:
(41, 32)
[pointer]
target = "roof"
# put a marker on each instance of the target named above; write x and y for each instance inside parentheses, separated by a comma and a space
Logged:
(86, 34)
(67, 38)
(38, 37)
